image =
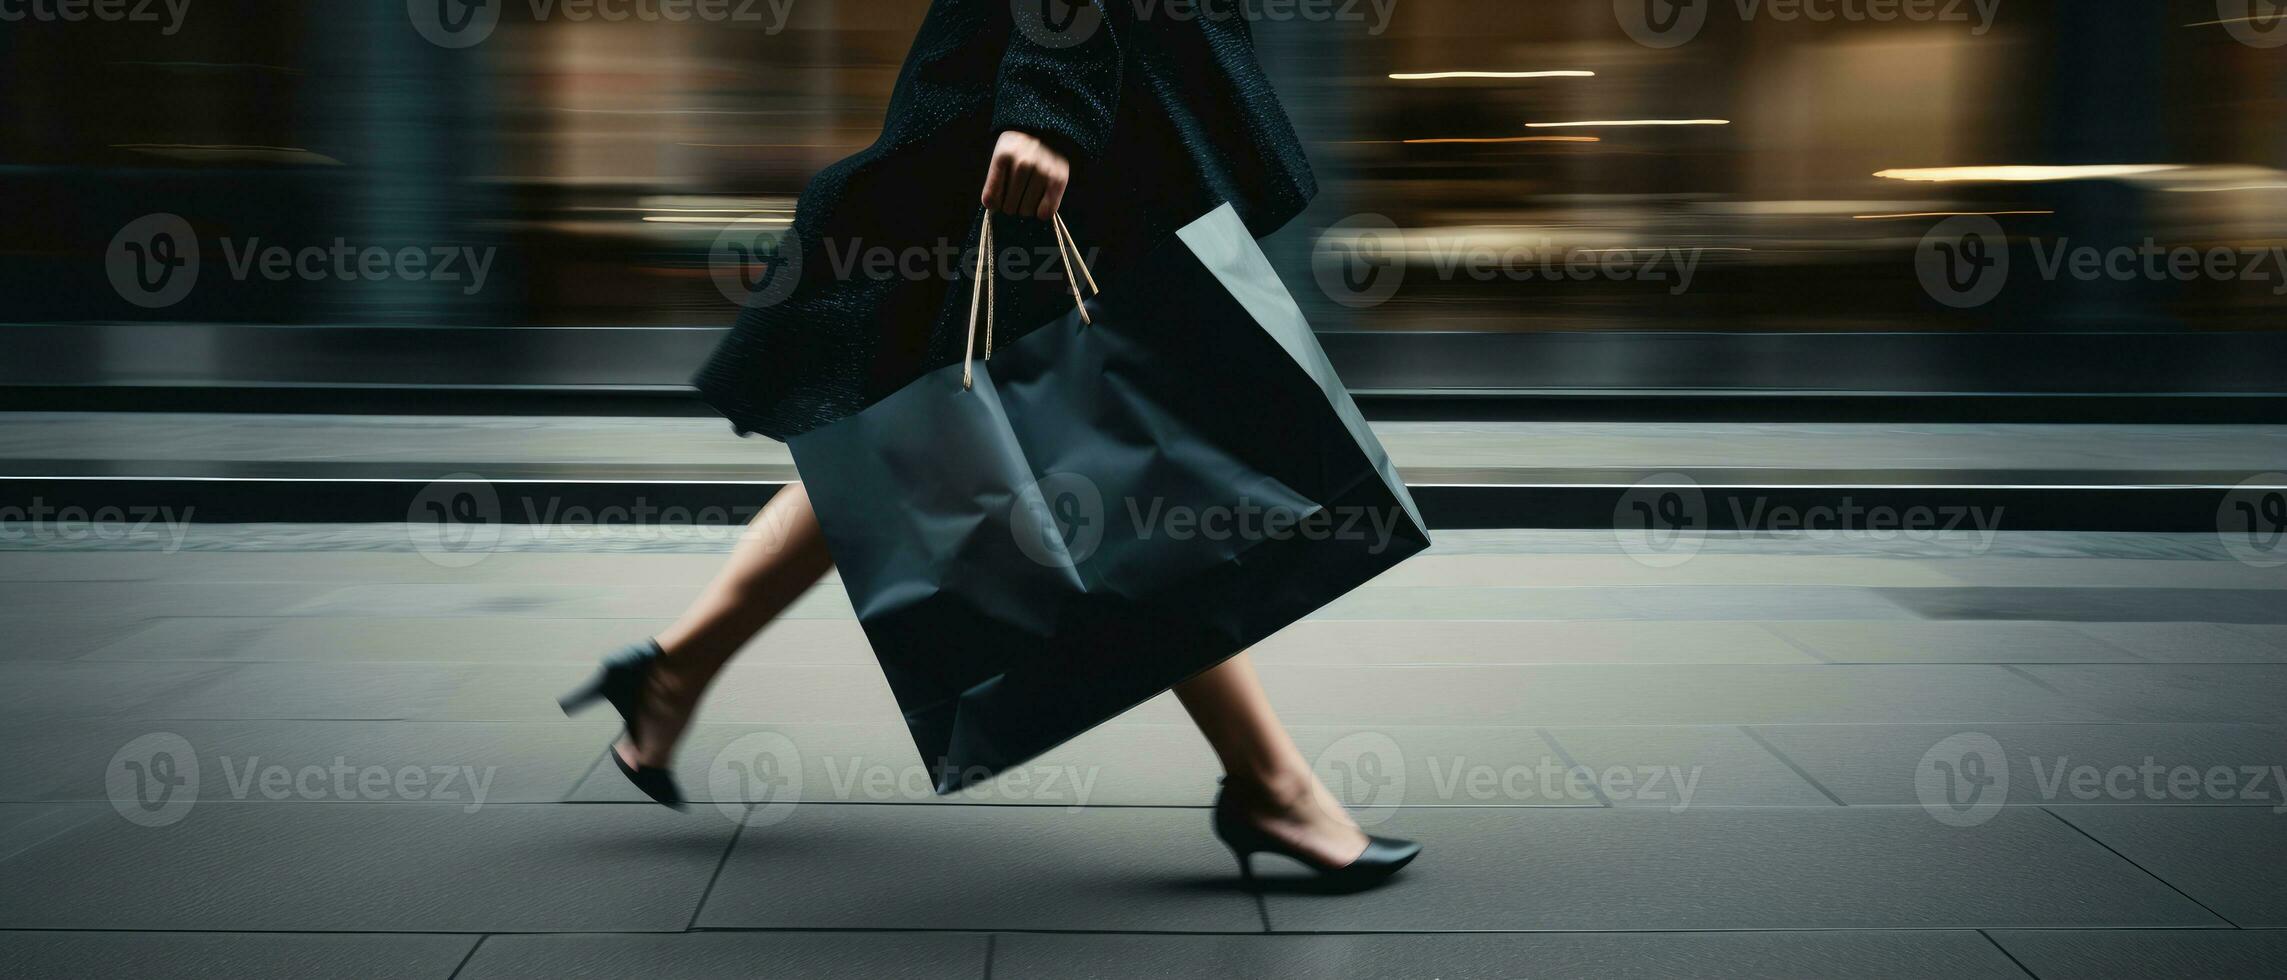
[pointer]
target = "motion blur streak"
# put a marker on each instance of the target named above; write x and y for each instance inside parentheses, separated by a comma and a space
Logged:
(605, 160)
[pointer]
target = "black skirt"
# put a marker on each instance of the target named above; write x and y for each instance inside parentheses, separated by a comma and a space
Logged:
(1164, 120)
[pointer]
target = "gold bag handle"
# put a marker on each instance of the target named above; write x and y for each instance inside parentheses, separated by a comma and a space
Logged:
(981, 293)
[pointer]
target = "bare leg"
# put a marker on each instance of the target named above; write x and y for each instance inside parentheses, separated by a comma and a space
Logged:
(781, 554)
(1265, 774)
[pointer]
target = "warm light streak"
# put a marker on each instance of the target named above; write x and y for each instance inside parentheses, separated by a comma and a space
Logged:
(2026, 173)
(2252, 19)
(208, 146)
(694, 220)
(1941, 214)
(2237, 187)
(1423, 76)
(1507, 139)
(1628, 122)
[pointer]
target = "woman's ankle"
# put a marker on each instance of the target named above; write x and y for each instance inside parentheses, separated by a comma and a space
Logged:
(1272, 790)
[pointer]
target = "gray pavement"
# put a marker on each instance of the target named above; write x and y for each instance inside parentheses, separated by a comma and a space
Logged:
(2041, 754)
(87, 443)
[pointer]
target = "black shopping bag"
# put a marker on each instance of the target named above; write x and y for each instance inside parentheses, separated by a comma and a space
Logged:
(1107, 506)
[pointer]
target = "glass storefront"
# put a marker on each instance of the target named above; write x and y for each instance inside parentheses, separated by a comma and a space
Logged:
(1607, 194)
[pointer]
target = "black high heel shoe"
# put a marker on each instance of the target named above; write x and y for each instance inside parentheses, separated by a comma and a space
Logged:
(622, 681)
(1381, 859)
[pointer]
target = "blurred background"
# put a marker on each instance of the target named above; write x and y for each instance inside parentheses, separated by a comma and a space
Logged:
(1784, 174)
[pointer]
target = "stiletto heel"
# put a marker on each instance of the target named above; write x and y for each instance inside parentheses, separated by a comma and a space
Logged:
(621, 681)
(1382, 857)
(587, 694)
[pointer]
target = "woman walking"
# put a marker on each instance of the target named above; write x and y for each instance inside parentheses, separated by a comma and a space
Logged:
(1133, 121)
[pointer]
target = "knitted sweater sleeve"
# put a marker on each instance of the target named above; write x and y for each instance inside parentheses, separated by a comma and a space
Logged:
(1060, 76)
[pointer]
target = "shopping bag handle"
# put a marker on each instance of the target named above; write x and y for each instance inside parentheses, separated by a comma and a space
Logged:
(982, 291)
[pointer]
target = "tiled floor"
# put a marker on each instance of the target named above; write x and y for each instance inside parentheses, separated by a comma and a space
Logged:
(1757, 763)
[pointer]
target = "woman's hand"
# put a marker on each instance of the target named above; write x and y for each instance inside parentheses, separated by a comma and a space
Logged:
(1027, 178)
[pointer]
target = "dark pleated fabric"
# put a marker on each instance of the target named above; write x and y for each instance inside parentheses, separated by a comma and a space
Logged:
(1164, 119)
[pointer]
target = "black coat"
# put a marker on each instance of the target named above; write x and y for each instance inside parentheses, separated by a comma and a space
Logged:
(1164, 119)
